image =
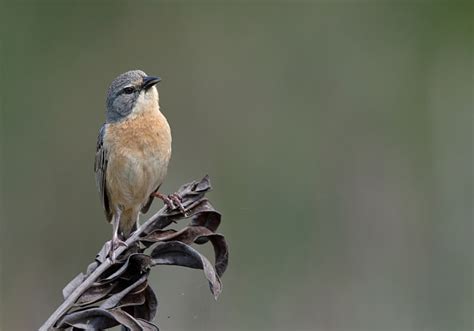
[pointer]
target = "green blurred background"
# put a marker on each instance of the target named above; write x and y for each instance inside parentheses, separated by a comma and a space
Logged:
(338, 138)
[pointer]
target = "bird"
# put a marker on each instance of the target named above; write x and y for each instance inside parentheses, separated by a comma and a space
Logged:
(132, 153)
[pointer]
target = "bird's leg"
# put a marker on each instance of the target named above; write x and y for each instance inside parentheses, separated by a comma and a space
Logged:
(171, 201)
(115, 242)
(137, 223)
(165, 199)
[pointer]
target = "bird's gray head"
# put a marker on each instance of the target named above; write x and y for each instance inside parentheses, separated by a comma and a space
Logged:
(129, 93)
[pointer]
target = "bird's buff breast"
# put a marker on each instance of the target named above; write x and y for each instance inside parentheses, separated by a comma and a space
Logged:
(139, 150)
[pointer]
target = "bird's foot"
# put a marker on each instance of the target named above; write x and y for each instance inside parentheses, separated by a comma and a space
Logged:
(178, 201)
(114, 244)
(172, 201)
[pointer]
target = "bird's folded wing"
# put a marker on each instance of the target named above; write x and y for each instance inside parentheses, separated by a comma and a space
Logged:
(100, 168)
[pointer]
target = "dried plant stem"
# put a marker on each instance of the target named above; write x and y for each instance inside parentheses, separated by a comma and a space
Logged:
(72, 298)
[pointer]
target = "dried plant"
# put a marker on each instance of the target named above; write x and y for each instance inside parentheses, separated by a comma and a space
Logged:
(118, 293)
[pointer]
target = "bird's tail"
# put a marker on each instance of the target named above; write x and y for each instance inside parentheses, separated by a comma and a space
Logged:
(128, 223)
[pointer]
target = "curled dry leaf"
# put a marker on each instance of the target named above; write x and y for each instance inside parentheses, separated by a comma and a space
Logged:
(95, 293)
(146, 310)
(121, 294)
(177, 253)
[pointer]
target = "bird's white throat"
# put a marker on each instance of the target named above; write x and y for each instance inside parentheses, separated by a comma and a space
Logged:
(147, 101)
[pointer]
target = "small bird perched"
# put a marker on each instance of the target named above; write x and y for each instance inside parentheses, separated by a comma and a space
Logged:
(133, 151)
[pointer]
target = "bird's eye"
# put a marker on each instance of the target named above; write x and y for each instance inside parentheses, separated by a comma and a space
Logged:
(128, 90)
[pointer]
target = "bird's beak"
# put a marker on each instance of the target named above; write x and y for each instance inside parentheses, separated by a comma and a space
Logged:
(150, 81)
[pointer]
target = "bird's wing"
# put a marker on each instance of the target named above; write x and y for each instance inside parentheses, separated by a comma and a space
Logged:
(100, 168)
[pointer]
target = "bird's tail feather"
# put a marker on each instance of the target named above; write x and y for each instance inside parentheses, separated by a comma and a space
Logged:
(128, 223)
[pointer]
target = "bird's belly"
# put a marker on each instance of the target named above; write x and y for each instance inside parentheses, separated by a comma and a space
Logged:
(132, 177)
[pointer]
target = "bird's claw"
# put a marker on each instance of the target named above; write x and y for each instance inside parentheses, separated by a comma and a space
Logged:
(178, 201)
(172, 201)
(114, 244)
